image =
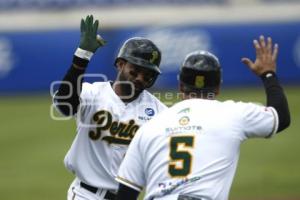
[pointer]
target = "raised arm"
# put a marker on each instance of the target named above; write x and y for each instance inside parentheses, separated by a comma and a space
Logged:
(264, 66)
(67, 96)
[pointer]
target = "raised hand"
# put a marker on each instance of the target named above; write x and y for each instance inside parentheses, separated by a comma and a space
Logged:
(89, 39)
(266, 55)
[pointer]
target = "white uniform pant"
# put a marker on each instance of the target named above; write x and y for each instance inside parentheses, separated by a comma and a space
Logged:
(76, 192)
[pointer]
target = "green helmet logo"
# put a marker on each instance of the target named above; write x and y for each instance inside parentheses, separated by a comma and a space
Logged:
(154, 57)
(199, 81)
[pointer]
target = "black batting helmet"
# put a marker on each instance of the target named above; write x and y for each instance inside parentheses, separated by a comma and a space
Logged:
(142, 52)
(201, 71)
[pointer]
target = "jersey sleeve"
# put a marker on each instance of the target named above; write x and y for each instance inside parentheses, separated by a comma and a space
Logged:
(87, 97)
(258, 121)
(131, 171)
(87, 93)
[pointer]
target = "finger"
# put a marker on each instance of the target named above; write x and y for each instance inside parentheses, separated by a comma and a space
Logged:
(86, 19)
(100, 40)
(262, 42)
(275, 52)
(257, 48)
(86, 23)
(247, 62)
(82, 26)
(269, 45)
(95, 27)
(90, 23)
(92, 18)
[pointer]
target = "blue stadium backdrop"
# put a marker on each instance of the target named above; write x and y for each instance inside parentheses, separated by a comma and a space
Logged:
(30, 61)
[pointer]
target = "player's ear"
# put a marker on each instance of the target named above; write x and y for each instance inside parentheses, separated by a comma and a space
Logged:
(120, 64)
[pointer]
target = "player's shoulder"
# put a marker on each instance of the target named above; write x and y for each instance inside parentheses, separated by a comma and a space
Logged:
(245, 109)
(95, 85)
(238, 104)
(205, 106)
(243, 105)
(147, 96)
(90, 90)
(151, 99)
(197, 104)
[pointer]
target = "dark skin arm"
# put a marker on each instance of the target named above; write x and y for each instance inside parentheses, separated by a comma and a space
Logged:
(264, 66)
(67, 96)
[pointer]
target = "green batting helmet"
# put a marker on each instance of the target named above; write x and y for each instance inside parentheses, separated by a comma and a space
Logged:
(201, 71)
(141, 52)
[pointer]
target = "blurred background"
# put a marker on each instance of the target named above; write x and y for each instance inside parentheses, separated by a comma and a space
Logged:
(39, 37)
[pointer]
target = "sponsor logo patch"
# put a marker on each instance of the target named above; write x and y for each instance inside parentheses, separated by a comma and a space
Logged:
(184, 120)
(149, 112)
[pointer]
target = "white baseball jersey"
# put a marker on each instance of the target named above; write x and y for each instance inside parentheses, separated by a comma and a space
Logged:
(105, 127)
(193, 148)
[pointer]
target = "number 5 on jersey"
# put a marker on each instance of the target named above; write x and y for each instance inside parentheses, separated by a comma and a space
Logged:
(180, 157)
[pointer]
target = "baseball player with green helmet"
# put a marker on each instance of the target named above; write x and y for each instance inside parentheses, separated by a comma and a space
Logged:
(108, 114)
(190, 151)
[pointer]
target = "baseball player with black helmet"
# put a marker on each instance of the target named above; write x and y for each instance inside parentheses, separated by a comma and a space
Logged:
(108, 114)
(191, 151)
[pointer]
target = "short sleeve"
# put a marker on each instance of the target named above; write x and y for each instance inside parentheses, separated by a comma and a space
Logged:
(258, 121)
(88, 94)
(131, 171)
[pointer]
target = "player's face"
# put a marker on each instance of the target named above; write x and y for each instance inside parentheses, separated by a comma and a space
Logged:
(139, 76)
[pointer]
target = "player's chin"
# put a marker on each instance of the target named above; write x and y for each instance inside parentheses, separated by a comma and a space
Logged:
(138, 90)
(138, 87)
